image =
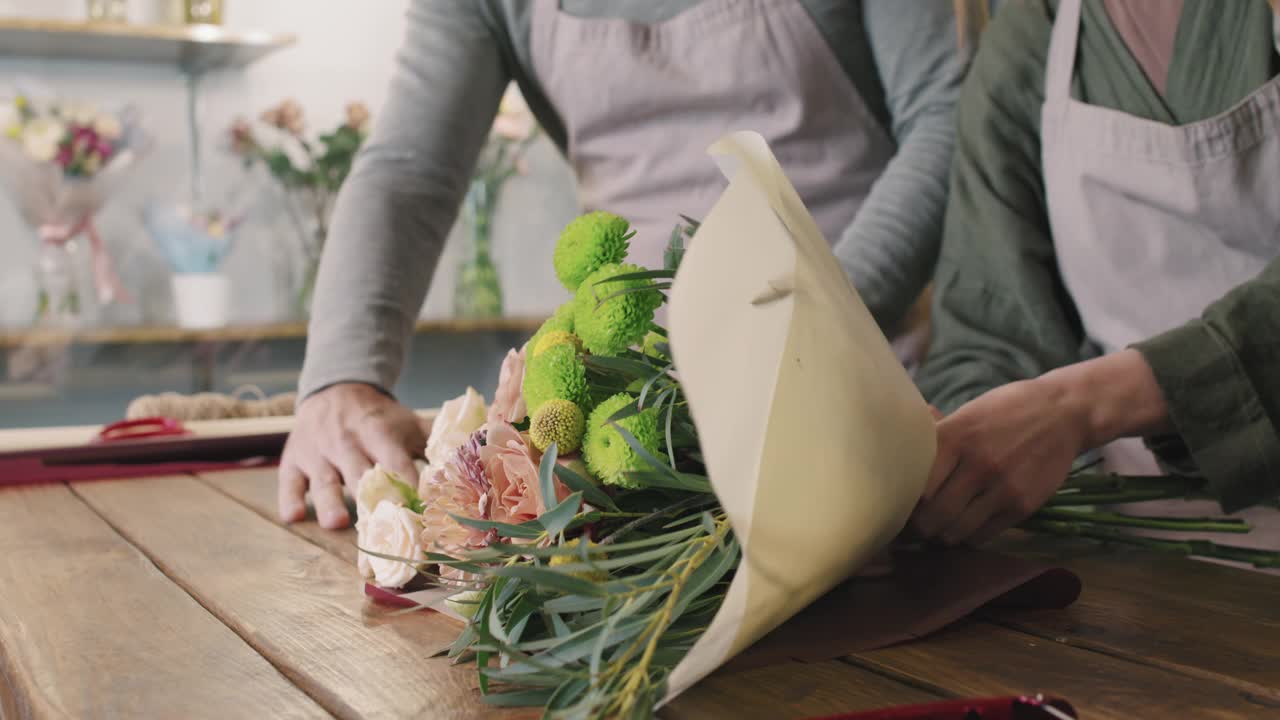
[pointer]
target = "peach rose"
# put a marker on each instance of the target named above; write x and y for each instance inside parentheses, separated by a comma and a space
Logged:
(508, 400)
(511, 463)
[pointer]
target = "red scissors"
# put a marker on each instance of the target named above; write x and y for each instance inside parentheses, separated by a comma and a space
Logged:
(149, 427)
(139, 448)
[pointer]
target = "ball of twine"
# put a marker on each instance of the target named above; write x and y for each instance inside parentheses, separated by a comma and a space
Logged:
(212, 406)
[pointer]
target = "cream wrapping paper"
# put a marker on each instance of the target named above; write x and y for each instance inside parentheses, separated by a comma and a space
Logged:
(815, 439)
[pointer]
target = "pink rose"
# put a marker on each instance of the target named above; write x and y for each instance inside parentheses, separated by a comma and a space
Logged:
(508, 400)
(511, 464)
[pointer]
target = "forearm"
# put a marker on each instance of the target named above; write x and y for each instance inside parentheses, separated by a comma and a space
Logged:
(396, 208)
(1114, 396)
(890, 248)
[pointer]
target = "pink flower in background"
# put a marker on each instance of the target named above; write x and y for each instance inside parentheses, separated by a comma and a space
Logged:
(242, 141)
(508, 400)
(286, 116)
(358, 116)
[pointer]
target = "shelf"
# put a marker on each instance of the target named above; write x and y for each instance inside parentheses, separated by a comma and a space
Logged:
(194, 48)
(242, 333)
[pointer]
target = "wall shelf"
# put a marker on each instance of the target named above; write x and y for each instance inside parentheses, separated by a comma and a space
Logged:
(193, 48)
(243, 333)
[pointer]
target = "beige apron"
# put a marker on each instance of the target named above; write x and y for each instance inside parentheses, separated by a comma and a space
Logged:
(641, 104)
(1152, 223)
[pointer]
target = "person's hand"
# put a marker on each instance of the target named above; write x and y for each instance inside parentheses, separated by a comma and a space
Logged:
(339, 433)
(1000, 457)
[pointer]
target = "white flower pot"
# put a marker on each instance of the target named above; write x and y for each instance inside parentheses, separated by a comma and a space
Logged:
(200, 299)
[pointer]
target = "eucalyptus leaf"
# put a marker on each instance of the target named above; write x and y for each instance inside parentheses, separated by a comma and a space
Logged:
(557, 518)
(590, 492)
(546, 482)
(544, 577)
(522, 532)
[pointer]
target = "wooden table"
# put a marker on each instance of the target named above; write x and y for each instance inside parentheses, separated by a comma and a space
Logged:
(182, 597)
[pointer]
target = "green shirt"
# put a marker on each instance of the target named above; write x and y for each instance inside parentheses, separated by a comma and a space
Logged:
(1001, 312)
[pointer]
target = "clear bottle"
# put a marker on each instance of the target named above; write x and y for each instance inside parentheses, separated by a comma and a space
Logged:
(113, 11)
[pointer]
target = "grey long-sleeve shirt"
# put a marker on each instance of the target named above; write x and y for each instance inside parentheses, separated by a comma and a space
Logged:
(400, 201)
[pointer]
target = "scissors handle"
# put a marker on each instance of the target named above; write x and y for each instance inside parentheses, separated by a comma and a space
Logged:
(141, 428)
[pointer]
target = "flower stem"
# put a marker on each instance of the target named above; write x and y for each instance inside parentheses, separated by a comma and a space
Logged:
(1200, 548)
(1199, 524)
(687, 503)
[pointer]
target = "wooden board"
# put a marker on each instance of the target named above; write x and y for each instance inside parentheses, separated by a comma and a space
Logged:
(300, 607)
(981, 659)
(90, 628)
(794, 690)
(256, 489)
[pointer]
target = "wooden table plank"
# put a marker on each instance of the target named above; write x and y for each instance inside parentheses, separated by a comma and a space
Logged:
(255, 488)
(794, 690)
(299, 606)
(90, 628)
(977, 658)
(1197, 618)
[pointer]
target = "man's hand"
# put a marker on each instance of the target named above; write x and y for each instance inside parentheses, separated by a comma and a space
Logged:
(340, 432)
(1003, 455)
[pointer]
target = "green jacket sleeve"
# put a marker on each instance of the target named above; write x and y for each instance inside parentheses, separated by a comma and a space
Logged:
(1000, 313)
(1220, 375)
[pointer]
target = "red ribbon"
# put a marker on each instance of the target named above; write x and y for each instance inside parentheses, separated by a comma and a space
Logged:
(105, 279)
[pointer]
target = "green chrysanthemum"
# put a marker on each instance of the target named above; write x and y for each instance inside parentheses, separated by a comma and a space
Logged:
(562, 320)
(560, 422)
(556, 374)
(610, 327)
(554, 338)
(650, 346)
(587, 244)
(609, 456)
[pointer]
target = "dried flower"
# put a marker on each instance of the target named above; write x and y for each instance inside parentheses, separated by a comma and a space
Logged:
(242, 140)
(358, 116)
(286, 116)
(513, 122)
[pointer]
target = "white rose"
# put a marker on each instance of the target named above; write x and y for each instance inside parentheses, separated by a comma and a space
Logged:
(458, 419)
(375, 486)
(41, 138)
(390, 530)
(108, 126)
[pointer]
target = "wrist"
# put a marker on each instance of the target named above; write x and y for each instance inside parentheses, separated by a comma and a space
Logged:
(1110, 397)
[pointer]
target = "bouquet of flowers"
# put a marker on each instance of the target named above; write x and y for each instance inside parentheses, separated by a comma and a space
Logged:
(639, 504)
(61, 160)
(310, 172)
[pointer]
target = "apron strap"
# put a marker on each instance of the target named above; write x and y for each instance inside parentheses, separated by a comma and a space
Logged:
(1062, 53)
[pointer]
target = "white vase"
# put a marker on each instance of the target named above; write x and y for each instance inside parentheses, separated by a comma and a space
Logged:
(200, 299)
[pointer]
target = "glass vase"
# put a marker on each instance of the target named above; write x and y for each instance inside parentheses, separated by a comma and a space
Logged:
(59, 300)
(478, 292)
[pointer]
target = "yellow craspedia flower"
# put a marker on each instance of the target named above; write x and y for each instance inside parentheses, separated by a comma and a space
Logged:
(560, 422)
(589, 243)
(561, 320)
(557, 337)
(590, 575)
